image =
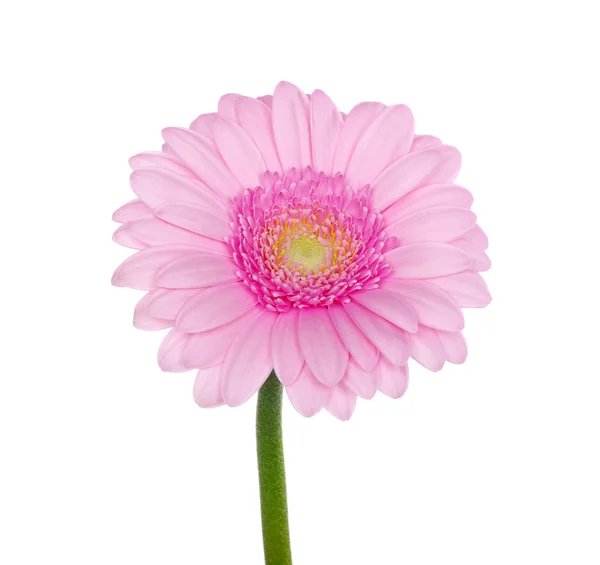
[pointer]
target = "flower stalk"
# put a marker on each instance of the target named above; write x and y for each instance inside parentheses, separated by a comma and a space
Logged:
(271, 473)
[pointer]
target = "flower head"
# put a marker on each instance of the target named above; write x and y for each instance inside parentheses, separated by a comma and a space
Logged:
(280, 233)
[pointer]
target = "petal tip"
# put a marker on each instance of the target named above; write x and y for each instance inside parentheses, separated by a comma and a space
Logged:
(116, 279)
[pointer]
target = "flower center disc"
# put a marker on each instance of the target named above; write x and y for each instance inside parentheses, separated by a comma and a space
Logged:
(308, 252)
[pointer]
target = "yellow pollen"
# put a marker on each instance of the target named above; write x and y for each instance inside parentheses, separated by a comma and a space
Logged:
(308, 252)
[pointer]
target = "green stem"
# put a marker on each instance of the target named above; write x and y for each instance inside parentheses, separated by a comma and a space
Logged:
(271, 474)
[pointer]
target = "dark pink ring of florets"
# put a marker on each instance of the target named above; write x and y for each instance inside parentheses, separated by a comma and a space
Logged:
(313, 205)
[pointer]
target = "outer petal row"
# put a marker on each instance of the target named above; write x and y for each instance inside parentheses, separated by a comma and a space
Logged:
(246, 341)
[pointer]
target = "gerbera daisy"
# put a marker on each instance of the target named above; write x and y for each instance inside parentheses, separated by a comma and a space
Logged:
(282, 234)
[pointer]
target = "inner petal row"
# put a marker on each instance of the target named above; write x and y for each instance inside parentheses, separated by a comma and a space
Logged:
(306, 239)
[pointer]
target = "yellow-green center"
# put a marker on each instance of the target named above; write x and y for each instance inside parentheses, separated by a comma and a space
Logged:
(308, 252)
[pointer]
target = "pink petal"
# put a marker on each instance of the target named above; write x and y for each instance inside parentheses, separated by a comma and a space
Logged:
(267, 100)
(206, 349)
(388, 338)
(402, 176)
(226, 106)
(124, 237)
(214, 307)
(449, 166)
(199, 155)
(159, 160)
(142, 318)
(341, 402)
(434, 307)
(207, 388)
(392, 380)
(477, 237)
(468, 289)
(478, 258)
(285, 346)
(326, 124)
(362, 383)
(239, 153)
(166, 304)
(171, 350)
(256, 120)
(389, 306)
(140, 270)
(131, 211)
(321, 346)
(455, 346)
(441, 223)
(426, 197)
(358, 120)
(152, 231)
(421, 142)
(169, 151)
(248, 361)
(362, 350)
(291, 126)
(157, 187)
(203, 125)
(195, 219)
(427, 260)
(427, 349)
(388, 138)
(307, 394)
(197, 270)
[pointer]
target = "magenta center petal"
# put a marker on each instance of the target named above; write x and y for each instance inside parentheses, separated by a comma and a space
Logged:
(307, 239)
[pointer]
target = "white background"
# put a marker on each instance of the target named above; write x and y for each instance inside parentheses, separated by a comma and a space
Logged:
(106, 460)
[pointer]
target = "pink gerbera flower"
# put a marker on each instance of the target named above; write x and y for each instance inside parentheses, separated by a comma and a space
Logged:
(280, 233)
